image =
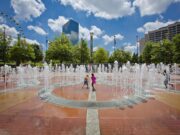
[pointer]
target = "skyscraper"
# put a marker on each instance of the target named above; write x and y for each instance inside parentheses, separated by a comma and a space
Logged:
(71, 30)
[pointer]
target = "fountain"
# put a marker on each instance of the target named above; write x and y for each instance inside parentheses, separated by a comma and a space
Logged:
(129, 83)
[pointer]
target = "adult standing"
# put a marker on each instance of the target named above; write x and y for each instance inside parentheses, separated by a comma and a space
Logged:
(167, 78)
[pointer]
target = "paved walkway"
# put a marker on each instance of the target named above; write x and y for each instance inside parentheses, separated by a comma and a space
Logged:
(92, 118)
(32, 116)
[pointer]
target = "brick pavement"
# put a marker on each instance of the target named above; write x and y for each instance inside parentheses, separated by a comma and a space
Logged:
(151, 118)
(32, 116)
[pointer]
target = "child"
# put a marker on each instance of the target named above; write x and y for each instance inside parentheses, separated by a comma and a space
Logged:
(86, 81)
(93, 79)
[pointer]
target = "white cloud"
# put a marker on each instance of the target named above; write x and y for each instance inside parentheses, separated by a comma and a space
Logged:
(27, 9)
(150, 26)
(37, 29)
(30, 41)
(141, 30)
(149, 7)
(95, 48)
(85, 32)
(108, 39)
(97, 31)
(56, 24)
(10, 31)
(108, 9)
(13, 41)
(130, 48)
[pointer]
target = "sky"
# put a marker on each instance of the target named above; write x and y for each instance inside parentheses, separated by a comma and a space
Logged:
(124, 19)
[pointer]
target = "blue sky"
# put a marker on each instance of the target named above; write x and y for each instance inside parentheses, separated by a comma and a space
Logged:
(106, 18)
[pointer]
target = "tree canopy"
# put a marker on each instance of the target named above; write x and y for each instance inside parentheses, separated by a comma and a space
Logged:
(4, 47)
(81, 54)
(100, 56)
(176, 43)
(120, 55)
(60, 49)
(22, 52)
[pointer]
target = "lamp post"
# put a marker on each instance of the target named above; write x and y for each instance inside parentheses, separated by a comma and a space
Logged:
(91, 45)
(137, 45)
(81, 50)
(46, 41)
(161, 57)
(114, 42)
(4, 48)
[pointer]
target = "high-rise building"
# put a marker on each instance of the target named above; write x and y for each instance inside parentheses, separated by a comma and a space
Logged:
(71, 30)
(160, 34)
(167, 32)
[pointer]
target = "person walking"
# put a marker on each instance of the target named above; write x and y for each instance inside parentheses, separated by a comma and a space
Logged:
(166, 80)
(93, 79)
(86, 81)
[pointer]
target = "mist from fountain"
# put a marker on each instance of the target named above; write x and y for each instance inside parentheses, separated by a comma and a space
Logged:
(125, 80)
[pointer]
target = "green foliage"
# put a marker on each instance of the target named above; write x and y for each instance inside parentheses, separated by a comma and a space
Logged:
(121, 56)
(146, 56)
(60, 49)
(100, 56)
(22, 52)
(176, 43)
(77, 54)
(140, 59)
(158, 52)
(167, 51)
(4, 47)
(81, 53)
(134, 58)
(38, 53)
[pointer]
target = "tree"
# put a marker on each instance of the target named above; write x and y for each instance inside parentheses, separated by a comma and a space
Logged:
(162, 52)
(146, 55)
(134, 58)
(60, 49)
(167, 51)
(76, 54)
(85, 52)
(140, 59)
(22, 52)
(176, 42)
(37, 52)
(4, 47)
(158, 52)
(100, 56)
(120, 55)
(81, 53)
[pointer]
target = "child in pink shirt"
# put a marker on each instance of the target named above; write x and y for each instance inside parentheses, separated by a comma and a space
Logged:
(93, 79)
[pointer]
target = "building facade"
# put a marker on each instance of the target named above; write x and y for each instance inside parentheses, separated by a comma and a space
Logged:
(167, 32)
(160, 34)
(71, 30)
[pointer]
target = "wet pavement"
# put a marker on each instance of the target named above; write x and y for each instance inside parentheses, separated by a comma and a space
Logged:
(34, 117)
(22, 112)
